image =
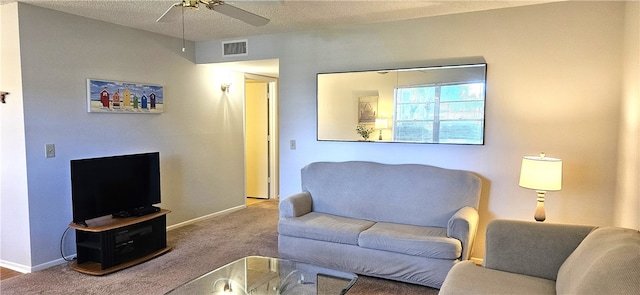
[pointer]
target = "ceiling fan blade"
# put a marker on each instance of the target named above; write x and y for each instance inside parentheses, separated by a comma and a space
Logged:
(240, 14)
(172, 14)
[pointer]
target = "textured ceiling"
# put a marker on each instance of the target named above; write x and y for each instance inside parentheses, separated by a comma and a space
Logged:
(285, 15)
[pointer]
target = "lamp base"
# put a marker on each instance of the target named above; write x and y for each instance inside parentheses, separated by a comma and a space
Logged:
(540, 215)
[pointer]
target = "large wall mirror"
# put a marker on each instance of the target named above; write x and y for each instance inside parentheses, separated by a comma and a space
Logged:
(443, 104)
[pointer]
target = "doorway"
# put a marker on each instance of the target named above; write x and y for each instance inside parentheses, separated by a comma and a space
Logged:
(261, 150)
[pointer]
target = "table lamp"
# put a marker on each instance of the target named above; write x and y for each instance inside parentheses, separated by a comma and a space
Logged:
(541, 174)
(380, 124)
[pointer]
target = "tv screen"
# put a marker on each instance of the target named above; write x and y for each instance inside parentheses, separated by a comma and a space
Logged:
(114, 185)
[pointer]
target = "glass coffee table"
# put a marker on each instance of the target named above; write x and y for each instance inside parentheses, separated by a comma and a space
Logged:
(269, 276)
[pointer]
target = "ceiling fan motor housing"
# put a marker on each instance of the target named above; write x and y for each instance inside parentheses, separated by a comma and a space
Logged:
(190, 3)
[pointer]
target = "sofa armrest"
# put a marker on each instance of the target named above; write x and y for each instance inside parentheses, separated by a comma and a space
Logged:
(295, 205)
(531, 248)
(463, 226)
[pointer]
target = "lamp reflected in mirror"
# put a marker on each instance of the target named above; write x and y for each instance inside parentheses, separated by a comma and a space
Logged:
(380, 124)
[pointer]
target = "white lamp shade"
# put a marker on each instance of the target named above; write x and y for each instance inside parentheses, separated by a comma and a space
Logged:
(381, 124)
(541, 173)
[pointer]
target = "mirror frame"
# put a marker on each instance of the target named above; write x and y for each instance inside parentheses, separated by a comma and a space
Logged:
(363, 110)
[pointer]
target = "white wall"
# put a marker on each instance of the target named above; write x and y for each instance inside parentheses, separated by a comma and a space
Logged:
(627, 212)
(198, 135)
(338, 109)
(14, 205)
(553, 85)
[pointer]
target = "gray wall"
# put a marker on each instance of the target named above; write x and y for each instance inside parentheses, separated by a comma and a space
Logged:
(553, 85)
(198, 136)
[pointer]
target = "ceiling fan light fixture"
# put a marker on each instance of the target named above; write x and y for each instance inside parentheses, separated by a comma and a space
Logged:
(175, 11)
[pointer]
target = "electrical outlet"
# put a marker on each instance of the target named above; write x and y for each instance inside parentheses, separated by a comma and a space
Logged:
(50, 150)
(292, 144)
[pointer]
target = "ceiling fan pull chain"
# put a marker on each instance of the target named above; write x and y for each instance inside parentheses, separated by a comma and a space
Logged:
(183, 42)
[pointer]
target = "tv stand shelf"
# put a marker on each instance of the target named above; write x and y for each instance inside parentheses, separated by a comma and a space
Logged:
(110, 244)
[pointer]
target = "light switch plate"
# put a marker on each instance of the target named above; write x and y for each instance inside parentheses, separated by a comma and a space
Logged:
(50, 150)
(292, 144)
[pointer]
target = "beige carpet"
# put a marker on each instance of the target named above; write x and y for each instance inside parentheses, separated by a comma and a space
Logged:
(198, 249)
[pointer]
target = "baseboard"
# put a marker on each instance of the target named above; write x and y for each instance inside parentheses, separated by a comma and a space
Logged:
(202, 218)
(14, 266)
(52, 263)
(29, 269)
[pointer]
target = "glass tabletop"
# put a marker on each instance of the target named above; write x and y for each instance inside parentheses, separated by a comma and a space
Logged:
(266, 276)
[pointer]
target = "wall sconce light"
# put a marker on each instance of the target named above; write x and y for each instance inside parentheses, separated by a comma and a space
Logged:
(225, 87)
(380, 124)
(541, 174)
(2, 96)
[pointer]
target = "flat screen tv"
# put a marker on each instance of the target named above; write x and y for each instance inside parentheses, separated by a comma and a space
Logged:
(122, 186)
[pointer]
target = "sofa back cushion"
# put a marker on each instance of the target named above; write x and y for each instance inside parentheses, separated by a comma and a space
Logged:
(403, 193)
(531, 248)
(606, 262)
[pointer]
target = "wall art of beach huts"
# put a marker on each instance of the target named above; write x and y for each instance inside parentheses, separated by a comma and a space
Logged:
(124, 97)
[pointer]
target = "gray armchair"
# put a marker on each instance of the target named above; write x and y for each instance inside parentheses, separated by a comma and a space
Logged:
(541, 258)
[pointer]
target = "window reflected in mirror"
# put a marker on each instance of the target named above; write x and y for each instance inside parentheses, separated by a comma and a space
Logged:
(444, 104)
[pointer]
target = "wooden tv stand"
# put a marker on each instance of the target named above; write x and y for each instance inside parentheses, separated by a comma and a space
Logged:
(110, 244)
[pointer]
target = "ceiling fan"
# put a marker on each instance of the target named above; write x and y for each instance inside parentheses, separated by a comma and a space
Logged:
(175, 11)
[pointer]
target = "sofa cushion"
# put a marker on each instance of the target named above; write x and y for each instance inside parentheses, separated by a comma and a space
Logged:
(324, 227)
(518, 246)
(430, 242)
(413, 194)
(607, 261)
(467, 278)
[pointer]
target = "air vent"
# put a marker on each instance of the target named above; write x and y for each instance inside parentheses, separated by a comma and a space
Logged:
(235, 48)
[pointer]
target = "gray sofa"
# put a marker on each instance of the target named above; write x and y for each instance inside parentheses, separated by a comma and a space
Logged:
(405, 222)
(541, 258)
